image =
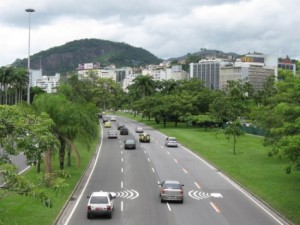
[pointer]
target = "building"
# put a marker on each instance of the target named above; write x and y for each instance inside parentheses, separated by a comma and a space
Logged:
(287, 64)
(207, 70)
(48, 83)
(252, 68)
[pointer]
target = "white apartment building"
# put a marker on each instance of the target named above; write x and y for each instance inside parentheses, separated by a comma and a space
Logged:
(48, 83)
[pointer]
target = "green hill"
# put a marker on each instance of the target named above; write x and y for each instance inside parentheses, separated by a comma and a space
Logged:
(65, 58)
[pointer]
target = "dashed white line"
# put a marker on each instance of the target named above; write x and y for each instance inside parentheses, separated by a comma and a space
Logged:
(122, 207)
(121, 184)
(168, 152)
(197, 185)
(169, 206)
(176, 160)
(122, 170)
(184, 170)
(215, 207)
(153, 170)
(148, 159)
(122, 159)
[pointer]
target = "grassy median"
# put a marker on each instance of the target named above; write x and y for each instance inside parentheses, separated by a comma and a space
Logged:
(251, 166)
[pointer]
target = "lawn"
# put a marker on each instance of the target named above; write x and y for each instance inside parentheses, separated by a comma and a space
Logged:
(251, 166)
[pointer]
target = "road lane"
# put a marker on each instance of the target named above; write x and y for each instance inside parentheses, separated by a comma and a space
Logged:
(210, 197)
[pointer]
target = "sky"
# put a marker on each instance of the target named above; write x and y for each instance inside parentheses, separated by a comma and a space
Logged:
(167, 29)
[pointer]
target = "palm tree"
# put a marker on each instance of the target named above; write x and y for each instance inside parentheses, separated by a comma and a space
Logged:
(72, 121)
(19, 81)
(143, 86)
(5, 76)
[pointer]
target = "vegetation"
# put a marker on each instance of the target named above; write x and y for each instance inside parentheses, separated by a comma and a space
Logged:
(65, 58)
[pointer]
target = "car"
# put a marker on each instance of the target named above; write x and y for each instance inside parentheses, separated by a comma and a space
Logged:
(100, 203)
(99, 115)
(171, 142)
(144, 137)
(113, 118)
(171, 190)
(120, 125)
(104, 119)
(139, 129)
(107, 124)
(124, 130)
(112, 134)
(129, 144)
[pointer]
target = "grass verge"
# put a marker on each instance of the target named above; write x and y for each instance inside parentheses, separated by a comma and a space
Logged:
(19, 210)
(251, 166)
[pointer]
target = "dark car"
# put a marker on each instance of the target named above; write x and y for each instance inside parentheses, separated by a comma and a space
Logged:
(124, 131)
(129, 144)
(104, 119)
(120, 125)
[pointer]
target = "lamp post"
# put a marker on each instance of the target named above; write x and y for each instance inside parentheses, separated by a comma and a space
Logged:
(29, 72)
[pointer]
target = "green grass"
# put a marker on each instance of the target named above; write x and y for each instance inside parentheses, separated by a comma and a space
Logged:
(20, 210)
(251, 166)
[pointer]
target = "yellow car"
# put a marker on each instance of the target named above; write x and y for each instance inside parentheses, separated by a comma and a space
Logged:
(107, 124)
(144, 137)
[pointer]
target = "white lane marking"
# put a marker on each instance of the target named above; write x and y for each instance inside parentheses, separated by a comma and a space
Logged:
(197, 185)
(136, 194)
(122, 207)
(175, 160)
(148, 159)
(169, 206)
(184, 170)
(162, 147)
(88, 180)
(121, 152)
(168, 152)
(121, 184)
(153, 170)
(215, 207)
(145, 152)
(122, 159)
(122, 170)
(216, 195)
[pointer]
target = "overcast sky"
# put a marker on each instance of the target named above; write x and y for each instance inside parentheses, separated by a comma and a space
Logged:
(166, 28)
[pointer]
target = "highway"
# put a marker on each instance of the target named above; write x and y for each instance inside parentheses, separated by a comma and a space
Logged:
(210, 198)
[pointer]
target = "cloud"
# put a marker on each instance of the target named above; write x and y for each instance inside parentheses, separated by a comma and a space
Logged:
(166, 28)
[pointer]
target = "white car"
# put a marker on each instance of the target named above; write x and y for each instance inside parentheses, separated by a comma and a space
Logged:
(113, 118)
(100, 203)
(171, 142)
(139, 130)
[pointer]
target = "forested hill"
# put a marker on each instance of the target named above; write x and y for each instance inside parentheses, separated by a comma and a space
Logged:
(66, 58)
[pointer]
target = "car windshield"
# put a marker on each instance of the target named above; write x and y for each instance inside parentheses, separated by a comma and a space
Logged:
(172, 186)
(129, 141)
(99, 200)
(172, 139)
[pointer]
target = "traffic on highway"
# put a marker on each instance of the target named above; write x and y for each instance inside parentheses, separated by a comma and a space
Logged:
(159, 183)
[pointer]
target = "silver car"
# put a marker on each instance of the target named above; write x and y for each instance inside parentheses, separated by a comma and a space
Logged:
(112, 134)
(100, 203)
(171, 142)
(171, 190)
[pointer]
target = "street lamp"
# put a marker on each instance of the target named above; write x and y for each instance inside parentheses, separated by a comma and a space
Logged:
(29, 72)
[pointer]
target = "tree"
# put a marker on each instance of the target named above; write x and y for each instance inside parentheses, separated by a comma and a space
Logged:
(71, 121)
(143, 86)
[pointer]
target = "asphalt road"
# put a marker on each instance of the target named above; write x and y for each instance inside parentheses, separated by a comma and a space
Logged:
(210, 197)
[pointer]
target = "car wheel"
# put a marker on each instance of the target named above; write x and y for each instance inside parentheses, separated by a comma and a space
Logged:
(181, 201)
(89, 216)
(109, 216)
(162, 201)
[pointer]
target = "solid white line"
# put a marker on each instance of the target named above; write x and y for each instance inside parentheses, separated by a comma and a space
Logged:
(169, 206)
(122, 207)
(87, 182)
(22, 171)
